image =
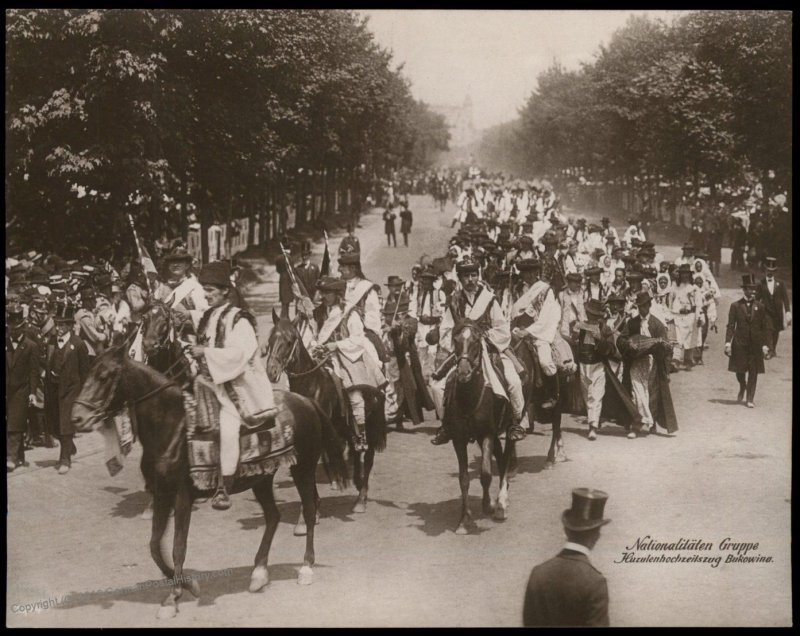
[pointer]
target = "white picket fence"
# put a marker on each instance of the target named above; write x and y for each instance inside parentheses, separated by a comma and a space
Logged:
(218, 239)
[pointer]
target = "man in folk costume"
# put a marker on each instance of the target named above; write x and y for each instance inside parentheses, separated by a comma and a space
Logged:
(599, 384)
(594, 288)
(227, 354)
(352, 356)
(427, 306)
(66, 369)
(183, 293)
(686, 309)
(22, 383)
(403, 371)
(646, 370)
(412, 286)
(772, 293)
(552, 272)
(572, 309)
(88, 326)
(634, 280)
(748, 339)
(537, 314)
(478, 303)
(364, 295)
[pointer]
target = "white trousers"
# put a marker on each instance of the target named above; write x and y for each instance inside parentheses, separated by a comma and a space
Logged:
(593, 387)
(640, 375)
(544, 351)
(357, 405)
(391, 404)
(229, 423)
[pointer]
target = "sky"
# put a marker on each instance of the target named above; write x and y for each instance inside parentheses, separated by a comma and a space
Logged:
(494, 56)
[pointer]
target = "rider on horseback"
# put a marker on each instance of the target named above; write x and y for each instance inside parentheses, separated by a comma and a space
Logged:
(478, 303)
(354, 360)
(184, 294)
(227, 352)
(536, 314)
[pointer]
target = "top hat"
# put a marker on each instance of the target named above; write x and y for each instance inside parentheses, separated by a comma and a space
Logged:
(688, 247)
(466, 266)
(587, 510)
(394, 280)
(350, 258)
(594, 307)
(306, 251)
(14, 315)
(327, 284)
(748, 280)
(217, 274)
(642, 298)
(771, 264)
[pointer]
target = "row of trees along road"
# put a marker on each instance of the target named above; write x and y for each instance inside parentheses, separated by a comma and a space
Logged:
(159, 112)
(704, 99)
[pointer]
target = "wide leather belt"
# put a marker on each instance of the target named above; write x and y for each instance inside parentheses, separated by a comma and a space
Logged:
(430, 320)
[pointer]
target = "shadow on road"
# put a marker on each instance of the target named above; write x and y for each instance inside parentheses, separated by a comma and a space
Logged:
(443, 516)
(213, 584)
(726, 402)
(131, 505)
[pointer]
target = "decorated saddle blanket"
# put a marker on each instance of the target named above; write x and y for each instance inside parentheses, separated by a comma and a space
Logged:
(262, 449)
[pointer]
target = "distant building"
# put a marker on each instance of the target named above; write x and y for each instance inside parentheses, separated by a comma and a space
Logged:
(459, 121)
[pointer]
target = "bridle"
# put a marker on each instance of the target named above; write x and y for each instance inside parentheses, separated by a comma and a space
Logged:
(290, 359)
(465, 357)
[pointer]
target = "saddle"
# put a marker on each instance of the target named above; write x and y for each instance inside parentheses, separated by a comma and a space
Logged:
(263, 446)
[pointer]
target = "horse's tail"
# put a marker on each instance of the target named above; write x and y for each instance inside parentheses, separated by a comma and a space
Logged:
(332, 450)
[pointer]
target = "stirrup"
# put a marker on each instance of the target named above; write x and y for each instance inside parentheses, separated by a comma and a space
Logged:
(360, 443)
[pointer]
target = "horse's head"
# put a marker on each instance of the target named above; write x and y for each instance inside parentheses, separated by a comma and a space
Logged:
(467, 349)
(281, 347)
(100, 391)
(156, 328)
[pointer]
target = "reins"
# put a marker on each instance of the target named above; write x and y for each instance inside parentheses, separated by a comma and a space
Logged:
(290, 360)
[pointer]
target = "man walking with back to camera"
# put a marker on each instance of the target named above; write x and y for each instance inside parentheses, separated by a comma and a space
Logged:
(567, 590)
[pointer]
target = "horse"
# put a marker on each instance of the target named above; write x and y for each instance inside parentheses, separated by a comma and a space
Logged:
(536, 395)
(474, 413)
(285, 352)
(158, 417)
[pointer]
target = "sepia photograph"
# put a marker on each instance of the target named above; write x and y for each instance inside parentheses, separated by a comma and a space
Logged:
(398, 318)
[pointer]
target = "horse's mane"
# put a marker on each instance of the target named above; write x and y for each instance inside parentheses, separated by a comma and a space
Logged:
(463, 323)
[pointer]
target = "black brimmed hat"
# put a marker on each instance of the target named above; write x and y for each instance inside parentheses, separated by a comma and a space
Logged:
(466, 266)
(179, 254)
(528, 264)
(350, 258)
(593, 271)
(748, 281)
(394, 280)
(217, 274)
(574, 277)
(642, 298)
(328, 284)
(594, 307)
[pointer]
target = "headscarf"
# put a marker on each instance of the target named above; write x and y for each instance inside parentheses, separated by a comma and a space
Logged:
(709, 282)
(660, 293)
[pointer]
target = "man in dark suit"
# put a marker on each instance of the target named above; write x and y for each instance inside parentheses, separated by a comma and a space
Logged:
(67, 367)
(773, 295)
(567, 590)
(307, 272)
(22, 379)
(748, 339)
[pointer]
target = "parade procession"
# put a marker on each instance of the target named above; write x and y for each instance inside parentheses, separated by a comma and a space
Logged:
(278, 370)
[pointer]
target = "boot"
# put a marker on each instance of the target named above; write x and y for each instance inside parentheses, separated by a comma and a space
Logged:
(221, 500)
(442, 436)
(551, 383)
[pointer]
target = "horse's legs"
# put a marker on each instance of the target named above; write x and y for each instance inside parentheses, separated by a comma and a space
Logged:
(503, 468)
(361, 502)
(486, 473)
(463, 480)
(263, 492)
(357, 467)
(183, 514)
(305, 481)
(561, 455)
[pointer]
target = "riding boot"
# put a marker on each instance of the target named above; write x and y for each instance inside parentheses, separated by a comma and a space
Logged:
(221, 500)
(551, 383)
(442, 436)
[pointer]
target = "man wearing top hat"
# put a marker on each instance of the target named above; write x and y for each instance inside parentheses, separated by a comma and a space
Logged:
(22, 384)
(567, 590)
(687, 258)
(307, 272)
(66, 368)
(748, 339)
(772, 293)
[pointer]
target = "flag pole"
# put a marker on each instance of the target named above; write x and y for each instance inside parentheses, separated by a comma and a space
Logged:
(139, 250)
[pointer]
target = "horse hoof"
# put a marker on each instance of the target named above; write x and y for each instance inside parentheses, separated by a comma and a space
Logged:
(167, 611)
(259, 579)
(563, 457)
(488, 509)
(500, 514)
(462, 530)
(300, 530)
(305, 576)
(360, 507)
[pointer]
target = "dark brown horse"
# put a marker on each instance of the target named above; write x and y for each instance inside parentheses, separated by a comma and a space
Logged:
(535, 394)
(473, 413)
(157, 411)
(285, 352)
